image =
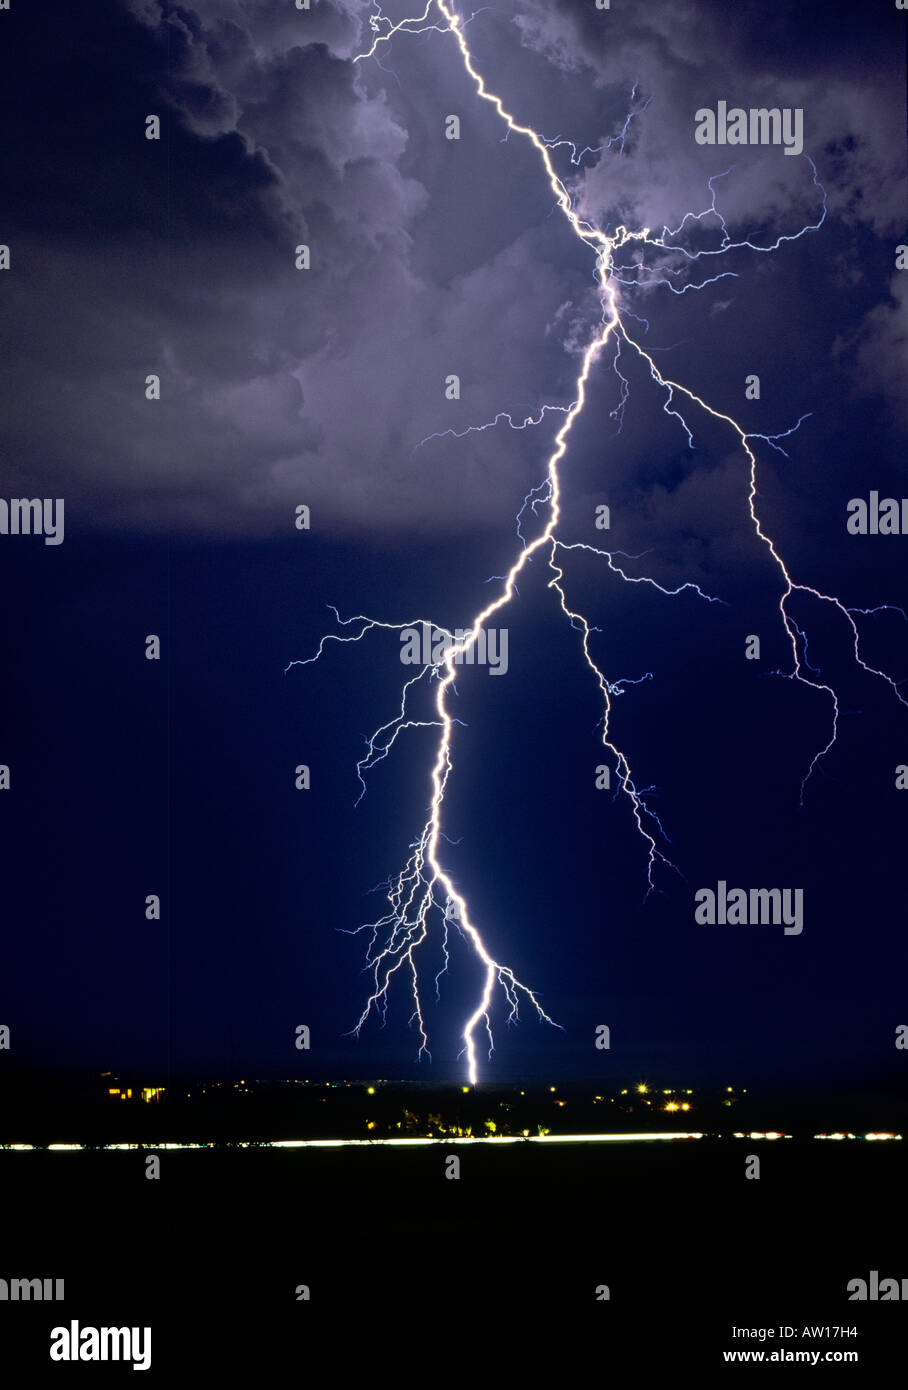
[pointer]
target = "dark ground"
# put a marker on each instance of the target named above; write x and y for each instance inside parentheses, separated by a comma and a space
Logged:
(393, 1253)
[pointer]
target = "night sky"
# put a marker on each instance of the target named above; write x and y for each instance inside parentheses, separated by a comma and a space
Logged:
(175, 777)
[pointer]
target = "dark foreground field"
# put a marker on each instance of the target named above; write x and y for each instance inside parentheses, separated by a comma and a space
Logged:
(393, 1253)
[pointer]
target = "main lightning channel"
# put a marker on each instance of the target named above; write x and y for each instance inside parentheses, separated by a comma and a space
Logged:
(417, 890)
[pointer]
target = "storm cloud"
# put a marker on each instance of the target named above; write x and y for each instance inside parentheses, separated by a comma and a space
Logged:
(133, 257)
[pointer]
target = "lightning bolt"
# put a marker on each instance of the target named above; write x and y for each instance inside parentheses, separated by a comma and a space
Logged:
(424, 889)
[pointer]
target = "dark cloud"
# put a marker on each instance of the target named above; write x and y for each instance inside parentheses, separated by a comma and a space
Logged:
(687, 55)
(280, 386)
(880, 348)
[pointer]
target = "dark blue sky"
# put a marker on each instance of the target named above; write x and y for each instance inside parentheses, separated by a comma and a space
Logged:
(132, 777)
